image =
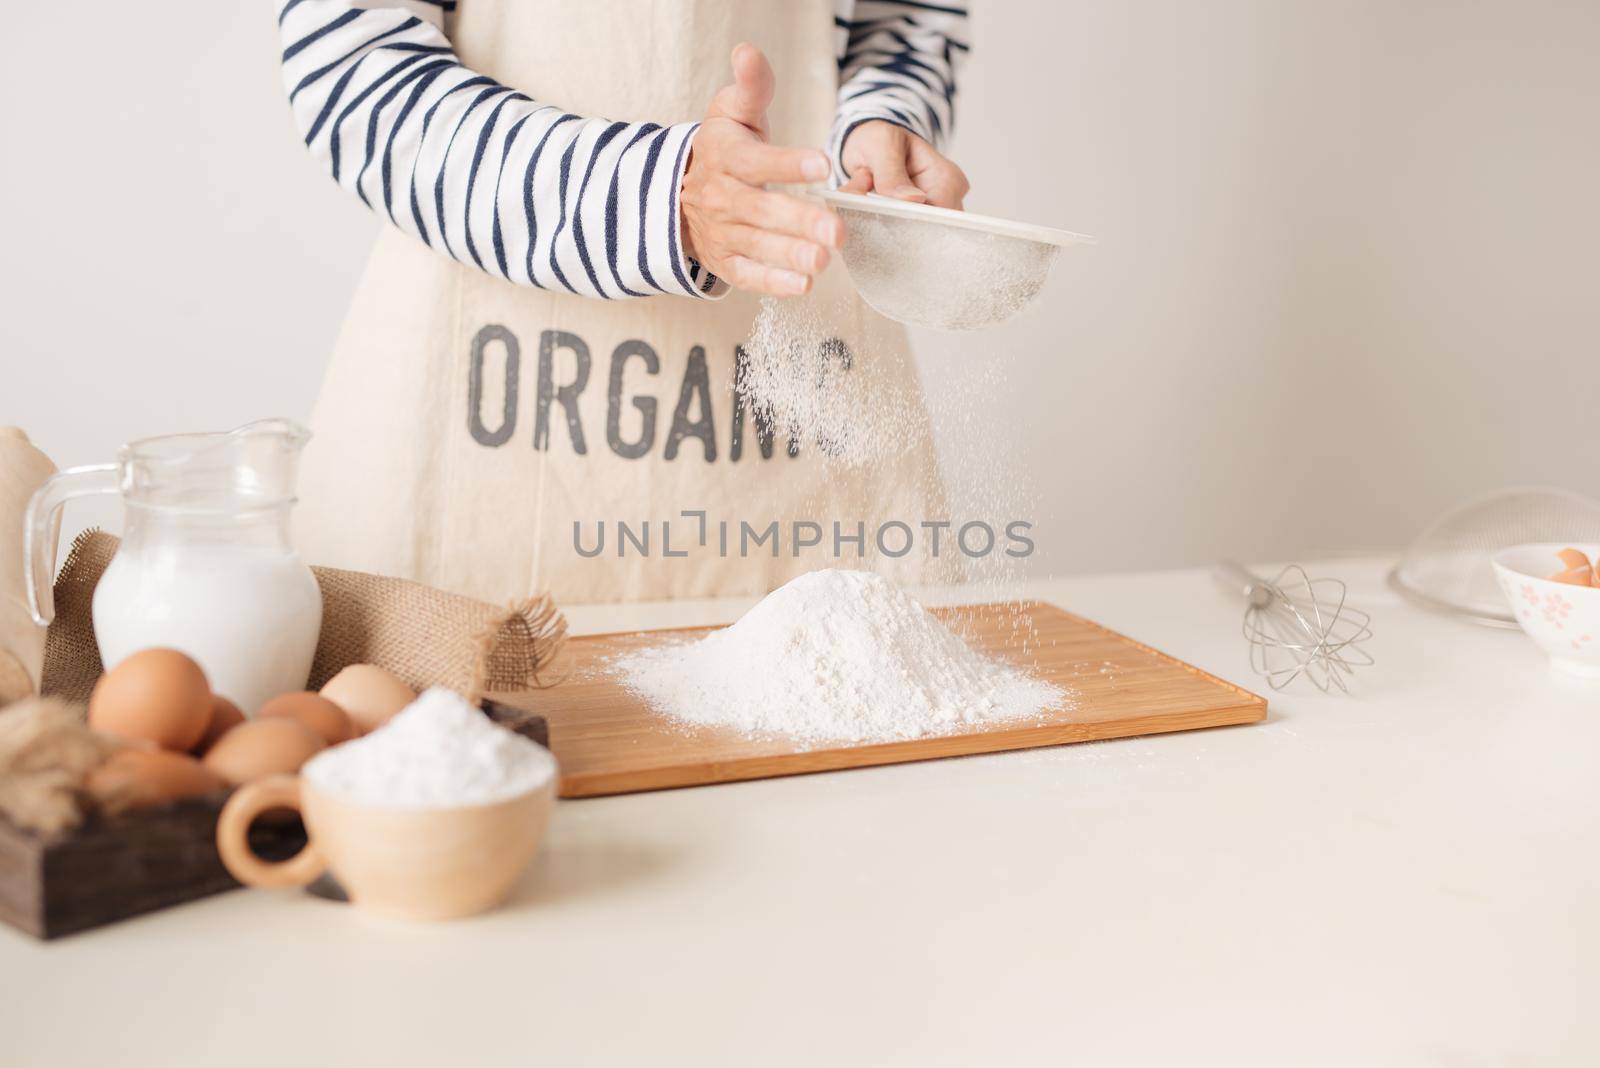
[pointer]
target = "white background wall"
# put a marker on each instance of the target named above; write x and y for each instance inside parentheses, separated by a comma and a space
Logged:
(1348, 272)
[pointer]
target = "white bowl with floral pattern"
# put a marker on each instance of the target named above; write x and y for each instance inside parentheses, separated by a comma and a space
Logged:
(1564, 619)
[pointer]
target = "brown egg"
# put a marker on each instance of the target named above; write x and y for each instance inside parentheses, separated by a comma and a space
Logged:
(159, 695)
(315, 711)
(261, 747)
(134, 778)
(369, 694)
(225, 716)
(1573, 559)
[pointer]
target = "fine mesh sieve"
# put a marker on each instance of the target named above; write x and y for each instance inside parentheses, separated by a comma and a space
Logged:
(1447, 566)
(951, 270)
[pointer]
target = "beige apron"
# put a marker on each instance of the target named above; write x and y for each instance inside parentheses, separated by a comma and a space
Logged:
(466, 424)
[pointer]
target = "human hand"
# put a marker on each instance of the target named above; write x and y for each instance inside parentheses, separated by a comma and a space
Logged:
(880, 156)
(749, 236)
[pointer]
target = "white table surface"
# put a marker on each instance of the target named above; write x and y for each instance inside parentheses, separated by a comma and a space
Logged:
(1408, 876)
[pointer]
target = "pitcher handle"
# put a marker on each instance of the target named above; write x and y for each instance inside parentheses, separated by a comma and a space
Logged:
(39, 529)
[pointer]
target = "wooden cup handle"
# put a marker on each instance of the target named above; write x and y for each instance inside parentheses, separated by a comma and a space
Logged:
(233, 835)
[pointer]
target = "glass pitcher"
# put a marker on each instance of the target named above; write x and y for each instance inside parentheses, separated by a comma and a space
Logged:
(205, 565)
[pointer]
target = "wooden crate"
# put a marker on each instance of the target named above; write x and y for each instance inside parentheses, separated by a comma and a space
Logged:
(109, 870)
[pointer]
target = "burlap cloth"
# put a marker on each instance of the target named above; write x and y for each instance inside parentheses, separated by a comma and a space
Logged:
(425, 636)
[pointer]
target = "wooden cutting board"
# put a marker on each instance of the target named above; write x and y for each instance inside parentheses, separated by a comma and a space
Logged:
(608, 741)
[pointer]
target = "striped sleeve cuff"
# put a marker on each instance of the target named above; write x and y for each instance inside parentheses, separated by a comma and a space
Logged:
(643, 226)
(669, 258)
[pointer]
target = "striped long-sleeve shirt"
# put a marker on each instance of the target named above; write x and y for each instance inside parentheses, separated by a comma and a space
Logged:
(532, 193)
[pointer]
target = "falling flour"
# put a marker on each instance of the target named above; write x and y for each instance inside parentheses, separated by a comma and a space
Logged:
(834, 656)
(805, 384)
(437, 752)
(833, 377)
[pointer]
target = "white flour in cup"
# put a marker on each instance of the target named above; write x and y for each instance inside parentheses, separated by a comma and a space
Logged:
(834, 656)
(437, 752)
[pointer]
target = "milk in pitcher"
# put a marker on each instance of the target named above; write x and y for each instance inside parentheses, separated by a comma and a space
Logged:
(248, 614)
(206, 565)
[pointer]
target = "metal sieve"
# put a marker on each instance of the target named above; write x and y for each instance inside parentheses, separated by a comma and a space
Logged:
(952, 270)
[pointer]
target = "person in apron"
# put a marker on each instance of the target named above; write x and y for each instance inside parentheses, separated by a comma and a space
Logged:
(498, 416)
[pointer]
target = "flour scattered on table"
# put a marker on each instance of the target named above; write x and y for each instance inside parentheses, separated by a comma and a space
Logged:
(835, 656)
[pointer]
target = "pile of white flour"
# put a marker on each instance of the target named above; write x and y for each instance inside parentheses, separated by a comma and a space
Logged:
(437, 752)
(834, 656)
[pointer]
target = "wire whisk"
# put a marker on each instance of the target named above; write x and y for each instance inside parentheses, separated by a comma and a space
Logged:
(1300, 626)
